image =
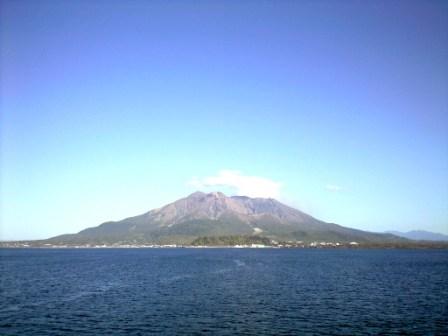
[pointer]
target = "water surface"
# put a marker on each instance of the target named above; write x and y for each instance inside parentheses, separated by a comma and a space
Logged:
(223, 292)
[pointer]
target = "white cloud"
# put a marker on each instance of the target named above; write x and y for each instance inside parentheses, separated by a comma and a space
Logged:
(333, 187)
(245, 185)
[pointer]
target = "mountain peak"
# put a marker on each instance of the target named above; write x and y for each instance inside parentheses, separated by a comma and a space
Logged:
(215, 214)
(216, 194)
(196, 194)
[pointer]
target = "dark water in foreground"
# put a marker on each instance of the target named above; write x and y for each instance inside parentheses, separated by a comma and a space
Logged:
(223, 292)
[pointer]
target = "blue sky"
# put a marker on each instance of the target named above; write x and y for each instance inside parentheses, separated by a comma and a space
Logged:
(112, 108)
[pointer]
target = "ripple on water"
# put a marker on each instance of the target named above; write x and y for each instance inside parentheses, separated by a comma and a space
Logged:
(223, 292)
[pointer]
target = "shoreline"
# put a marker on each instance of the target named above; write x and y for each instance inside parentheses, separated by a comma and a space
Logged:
(422, 246)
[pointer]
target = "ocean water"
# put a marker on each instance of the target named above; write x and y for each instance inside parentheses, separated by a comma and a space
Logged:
(223, 292)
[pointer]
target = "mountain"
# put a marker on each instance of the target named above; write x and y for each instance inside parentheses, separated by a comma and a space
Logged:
(420, 235)
(214, 214)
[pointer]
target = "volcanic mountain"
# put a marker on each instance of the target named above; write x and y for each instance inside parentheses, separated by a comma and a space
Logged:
(214, 214)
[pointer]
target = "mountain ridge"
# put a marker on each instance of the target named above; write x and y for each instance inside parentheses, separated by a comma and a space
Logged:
(215, 214)
(420, 235)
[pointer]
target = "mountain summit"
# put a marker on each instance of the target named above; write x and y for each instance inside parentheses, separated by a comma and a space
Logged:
(214, 214)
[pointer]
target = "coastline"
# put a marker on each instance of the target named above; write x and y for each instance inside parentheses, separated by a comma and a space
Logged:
(410, 245)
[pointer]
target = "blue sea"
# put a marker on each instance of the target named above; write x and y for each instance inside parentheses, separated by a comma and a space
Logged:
(223, 292)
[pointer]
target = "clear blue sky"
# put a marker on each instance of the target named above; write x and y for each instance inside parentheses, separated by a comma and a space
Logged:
(111, 108)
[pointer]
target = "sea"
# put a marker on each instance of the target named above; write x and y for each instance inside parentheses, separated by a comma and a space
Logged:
(211, 291)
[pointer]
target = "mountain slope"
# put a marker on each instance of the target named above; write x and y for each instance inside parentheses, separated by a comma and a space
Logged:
(215, 214)
(421, 235)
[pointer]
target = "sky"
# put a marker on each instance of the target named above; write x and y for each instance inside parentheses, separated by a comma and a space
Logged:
(112, 108)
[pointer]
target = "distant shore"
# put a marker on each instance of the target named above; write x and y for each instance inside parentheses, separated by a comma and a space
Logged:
(311, 245)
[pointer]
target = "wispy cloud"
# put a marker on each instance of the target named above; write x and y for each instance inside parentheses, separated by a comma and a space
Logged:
(333, 187)
(253, 186)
